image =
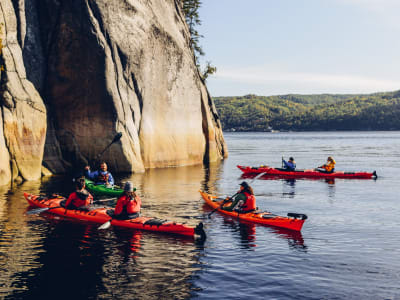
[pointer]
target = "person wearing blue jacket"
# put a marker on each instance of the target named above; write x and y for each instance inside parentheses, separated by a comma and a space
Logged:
(289, 165)
(101, 176)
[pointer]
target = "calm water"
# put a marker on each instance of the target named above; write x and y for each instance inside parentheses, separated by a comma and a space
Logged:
(348, 248)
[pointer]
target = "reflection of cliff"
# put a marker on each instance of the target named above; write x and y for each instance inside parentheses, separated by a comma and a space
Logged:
(18, 241)
(170, 193)
(97, 68)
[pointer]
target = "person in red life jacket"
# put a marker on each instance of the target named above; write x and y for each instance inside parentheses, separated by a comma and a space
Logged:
(101, 176)
(81, 198)
(244, 201)
(128, 205)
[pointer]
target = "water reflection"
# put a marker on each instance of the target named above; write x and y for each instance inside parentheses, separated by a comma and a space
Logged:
(247, 232)
(71, 260)
(294, 238)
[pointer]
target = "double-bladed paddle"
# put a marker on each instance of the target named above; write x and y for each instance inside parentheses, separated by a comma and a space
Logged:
(115, 139)
(230, 198)
(222, 204)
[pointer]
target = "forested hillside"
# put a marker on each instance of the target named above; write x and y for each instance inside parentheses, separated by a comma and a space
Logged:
(380, 111)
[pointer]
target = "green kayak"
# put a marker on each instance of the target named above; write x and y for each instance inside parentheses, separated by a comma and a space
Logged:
(102, 190)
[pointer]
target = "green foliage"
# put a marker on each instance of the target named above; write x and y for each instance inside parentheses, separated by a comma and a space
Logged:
(191, 11)
(379, 111)
(209, 70)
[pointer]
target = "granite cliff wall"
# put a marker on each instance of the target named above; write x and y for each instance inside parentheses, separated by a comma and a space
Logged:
(79, 71)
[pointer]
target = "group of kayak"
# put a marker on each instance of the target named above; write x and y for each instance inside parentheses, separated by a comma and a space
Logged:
(126, 214)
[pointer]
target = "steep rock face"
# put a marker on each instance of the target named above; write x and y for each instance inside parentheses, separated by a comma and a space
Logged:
(101, 67)
(126, 66)
(23, 114)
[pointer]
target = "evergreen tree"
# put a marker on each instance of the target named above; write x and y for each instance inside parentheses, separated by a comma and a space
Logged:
(191, 10)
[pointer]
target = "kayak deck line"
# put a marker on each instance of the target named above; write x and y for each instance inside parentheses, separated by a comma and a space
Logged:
(100, 216)
(306, 173)
(293, 221)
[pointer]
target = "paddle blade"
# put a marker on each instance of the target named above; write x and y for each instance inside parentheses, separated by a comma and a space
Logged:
(37, 210)
(105, 225)
(117, 137)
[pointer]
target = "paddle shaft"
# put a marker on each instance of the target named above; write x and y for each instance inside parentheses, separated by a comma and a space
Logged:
(220, 206)
(115, 139)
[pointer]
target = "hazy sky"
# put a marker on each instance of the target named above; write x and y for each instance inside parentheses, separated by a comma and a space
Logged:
(270, 47)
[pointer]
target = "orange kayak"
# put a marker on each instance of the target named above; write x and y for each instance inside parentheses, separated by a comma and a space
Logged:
(293, 221)
(100, 216)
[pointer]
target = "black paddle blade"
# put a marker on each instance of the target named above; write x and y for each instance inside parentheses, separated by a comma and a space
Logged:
(117, 137)
(200, 231)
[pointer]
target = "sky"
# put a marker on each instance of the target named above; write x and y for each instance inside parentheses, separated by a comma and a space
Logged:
(275, 47)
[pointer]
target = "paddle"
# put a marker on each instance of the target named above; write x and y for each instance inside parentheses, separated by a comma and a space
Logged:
(115, 139)
(39, 210)
(105, 225)
(222, 204)
(229, 198)
(43, 209)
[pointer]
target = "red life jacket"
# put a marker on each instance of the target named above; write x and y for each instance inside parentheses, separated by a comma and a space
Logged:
(250, 203)
(126, 203)
(79, 199)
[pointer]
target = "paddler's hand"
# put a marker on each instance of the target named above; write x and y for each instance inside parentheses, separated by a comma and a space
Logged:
(87, 168)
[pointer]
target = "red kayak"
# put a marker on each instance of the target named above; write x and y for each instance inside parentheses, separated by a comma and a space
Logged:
(293, 221)
(306, 173)
(100, 216)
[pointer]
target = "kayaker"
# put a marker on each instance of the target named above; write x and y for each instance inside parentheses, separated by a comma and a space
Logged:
(329, 167)
(81, 198)
(128, 205)
(101, 176)
(289, 165)
(244, 201)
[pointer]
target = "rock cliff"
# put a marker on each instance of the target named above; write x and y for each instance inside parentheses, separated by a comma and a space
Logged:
(95, 68)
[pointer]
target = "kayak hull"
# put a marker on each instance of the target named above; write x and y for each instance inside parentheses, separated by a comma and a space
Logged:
(100, 216)
(264, 218)
(306, 173)
(102, 190)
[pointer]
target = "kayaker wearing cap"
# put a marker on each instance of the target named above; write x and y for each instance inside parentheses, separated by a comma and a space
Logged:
(128, 205)
(101, 176)
(329, 167)
(244, 201)
(81, 198)
(289, 165)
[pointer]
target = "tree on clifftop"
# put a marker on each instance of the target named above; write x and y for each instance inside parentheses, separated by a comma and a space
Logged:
(191, 10)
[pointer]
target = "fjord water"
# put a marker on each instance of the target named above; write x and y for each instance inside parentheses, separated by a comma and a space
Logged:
(348, 248)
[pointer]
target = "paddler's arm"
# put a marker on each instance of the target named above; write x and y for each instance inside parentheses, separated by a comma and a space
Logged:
(110, 179)
(119, 206)
(235, 200)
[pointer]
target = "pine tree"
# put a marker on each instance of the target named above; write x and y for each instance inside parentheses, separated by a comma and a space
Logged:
(191, 10)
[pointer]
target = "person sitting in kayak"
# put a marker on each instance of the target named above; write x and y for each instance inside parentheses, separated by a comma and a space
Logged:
(101, 176)
(81, 198)
(289, 165)
(128, 204)
(329, 167)
(244, 201)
